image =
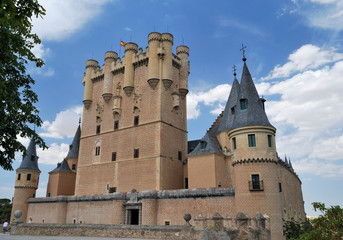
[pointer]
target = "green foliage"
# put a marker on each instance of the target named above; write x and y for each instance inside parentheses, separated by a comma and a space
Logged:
(5, 209)
(293, 229)
(328, 226)
(17, 112)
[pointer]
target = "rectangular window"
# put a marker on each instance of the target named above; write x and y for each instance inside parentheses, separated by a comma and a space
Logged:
(167, 223)
(252, 142)
(19, 175)
(179, 155)
(97, 151)
(136, 153)
(280, 187)
(269, 140)
(98, 129)
(256, 184)
(234, 143)
(73, 167)
(32, 157)
(114, 156)
(243, 104)
(49, 194)
(116, 125)
(112, 190)
(136, 121)
(186, 183)
(28, 177)
(202, 144)
(34, 195)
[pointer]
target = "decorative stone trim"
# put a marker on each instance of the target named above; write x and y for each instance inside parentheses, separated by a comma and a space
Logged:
(87, 103)
(111, 54)
(154, 36)
(107, 97)
(167, 83)
(182, 49)
(167, 37)
(176, 64)
(118, 70)
(128, 90)
(183, 92)
(254, 160)
(153, 82)
(98, 78)
(92, 63)
(131, 47)
(142, 62)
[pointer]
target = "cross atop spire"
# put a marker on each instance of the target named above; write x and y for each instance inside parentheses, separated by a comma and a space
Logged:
(243, 50)
(234, 70)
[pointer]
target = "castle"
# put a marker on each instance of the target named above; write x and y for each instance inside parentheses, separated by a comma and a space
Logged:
(130, 162)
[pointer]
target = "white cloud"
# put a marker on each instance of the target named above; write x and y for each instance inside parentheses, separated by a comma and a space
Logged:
(56, 153)
(39, 51)
(128, 29)
(63, 18)
(306, 57)
(213, 97)
(64, 125)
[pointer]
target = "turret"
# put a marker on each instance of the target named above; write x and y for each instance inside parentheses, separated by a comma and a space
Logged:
(110, 57)
(154, 39)
(73, 153)
(183, 53)
(167, 73)
(130, 52)
(91, 66)
(26, 183)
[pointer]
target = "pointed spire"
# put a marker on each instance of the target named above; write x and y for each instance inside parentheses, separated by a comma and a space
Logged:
(30, 160)
(208, 144)
(74, 147)
(286, 161)
(290, 163)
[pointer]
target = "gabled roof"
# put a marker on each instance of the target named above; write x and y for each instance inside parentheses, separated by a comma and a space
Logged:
(30, 160)
(62, 167)
(74, 147)
(211, 145)
(228, 116)
(254, 114)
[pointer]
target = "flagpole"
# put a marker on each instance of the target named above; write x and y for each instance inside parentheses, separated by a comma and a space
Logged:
(120, 49)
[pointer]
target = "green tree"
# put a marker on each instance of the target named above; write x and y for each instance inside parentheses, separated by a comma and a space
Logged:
(18, 115)
(328, 226)
(5, 209)
(293, 229)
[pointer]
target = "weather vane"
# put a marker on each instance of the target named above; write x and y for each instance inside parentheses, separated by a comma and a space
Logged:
(234, 70)
(243, 50)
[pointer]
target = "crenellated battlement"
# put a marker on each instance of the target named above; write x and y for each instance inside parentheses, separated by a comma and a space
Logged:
(154, 36)
(182, 49)
(167, 37)
(92, 64)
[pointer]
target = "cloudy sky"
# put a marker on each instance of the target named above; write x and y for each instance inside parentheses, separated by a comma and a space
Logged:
(294, 51)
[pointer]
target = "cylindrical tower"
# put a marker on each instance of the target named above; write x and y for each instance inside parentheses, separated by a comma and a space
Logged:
(26, 183)
(110, 57)
(91, 65)
(183, 53)
(154, 39)
(130, 52)
(167, 73)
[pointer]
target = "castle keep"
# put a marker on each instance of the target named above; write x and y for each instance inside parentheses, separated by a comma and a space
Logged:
(130, 162)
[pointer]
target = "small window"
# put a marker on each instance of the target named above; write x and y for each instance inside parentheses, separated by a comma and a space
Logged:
(269, 140)
(243, 104)
(136, 153)
(256, 184)
(202, 144)
(32, 157)
(280, 187)
(97, 151)
(186, 183)
(74, 220)
(112, 190)
(19, 176)
(167, 223)
(252, 141)
(28, 177)
(179, 155)
(233, 110)
(34, 195)
(98, 129)
(114, 156)
(73, 167)
(136, 120)
(234, 143)
(49, 194)
(116, 125)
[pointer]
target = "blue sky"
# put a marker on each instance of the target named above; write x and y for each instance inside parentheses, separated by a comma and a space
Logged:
(294, 52)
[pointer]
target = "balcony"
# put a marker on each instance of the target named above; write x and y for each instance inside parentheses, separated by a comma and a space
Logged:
(256, 186)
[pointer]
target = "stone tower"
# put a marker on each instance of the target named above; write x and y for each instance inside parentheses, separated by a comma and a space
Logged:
(26, 182)
(134, 131)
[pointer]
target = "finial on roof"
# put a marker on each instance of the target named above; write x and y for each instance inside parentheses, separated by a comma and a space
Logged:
(243, 50)
(234, 70)
(79, 118)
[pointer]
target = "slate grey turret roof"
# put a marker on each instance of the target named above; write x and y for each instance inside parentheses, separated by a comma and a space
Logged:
(74, 147)
(228, 116)
(30, 160)
(254, 114)
(62, 167)
(211, 145)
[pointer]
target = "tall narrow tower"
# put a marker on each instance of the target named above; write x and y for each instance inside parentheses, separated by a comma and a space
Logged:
(26, 182)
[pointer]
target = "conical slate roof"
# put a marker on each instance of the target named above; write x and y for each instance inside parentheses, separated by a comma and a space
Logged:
(30, 160)
(228, 114)
(254, 114)
(74, 147)
(62, 167)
